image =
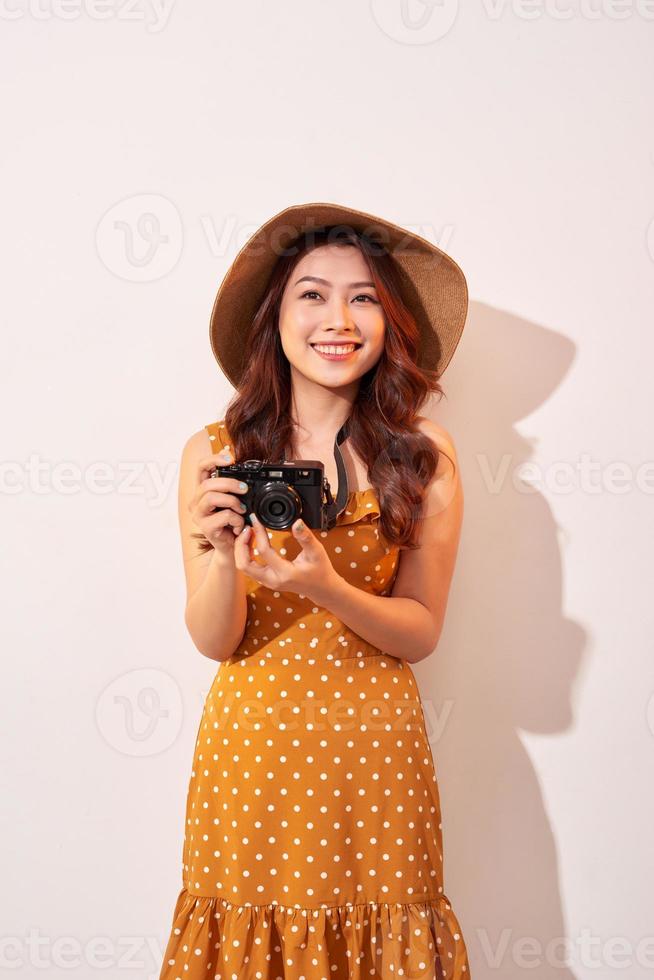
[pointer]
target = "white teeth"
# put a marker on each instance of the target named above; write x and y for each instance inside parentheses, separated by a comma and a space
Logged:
(335, 348)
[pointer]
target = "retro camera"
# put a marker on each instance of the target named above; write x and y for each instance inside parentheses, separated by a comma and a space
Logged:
(280, 493)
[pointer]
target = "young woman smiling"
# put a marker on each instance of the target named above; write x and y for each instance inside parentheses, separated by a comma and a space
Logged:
(313, 840)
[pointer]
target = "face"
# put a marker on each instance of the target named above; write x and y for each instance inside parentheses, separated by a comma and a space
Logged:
(330, 301)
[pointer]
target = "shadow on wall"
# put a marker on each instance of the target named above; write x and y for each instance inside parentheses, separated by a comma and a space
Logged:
(507, 659)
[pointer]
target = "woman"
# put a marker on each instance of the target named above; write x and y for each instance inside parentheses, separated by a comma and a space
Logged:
(313, 836)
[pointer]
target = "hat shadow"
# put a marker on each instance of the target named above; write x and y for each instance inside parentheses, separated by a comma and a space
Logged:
(508, 657)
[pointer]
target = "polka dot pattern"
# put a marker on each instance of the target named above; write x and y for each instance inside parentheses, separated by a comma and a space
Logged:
(313, 839)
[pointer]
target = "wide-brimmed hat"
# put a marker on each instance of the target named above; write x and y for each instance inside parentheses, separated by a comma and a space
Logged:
(433, 286)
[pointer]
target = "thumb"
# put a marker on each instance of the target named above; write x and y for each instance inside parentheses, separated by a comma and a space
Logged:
(301, 531)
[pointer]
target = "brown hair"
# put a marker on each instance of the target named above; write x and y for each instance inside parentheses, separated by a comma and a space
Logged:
(400, 460)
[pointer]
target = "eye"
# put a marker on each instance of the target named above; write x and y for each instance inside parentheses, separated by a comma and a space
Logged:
(366, 296)
(309, 292)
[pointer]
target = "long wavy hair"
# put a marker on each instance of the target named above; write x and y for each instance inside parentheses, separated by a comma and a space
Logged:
(400, 460)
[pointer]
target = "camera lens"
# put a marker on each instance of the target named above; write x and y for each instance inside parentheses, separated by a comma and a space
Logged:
(277, 505)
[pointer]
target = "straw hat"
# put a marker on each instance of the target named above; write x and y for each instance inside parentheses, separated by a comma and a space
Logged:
(433, 286)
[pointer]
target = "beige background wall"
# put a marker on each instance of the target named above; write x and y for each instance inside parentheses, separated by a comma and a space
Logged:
(141, 146)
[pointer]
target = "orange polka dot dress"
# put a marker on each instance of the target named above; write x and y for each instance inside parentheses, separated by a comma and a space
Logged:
(312, 846)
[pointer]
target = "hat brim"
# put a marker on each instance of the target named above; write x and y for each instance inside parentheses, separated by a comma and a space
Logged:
(433, 286)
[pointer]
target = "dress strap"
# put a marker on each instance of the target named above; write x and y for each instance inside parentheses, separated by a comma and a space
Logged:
(218, 436)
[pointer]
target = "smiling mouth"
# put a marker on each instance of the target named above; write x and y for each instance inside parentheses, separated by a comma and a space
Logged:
(336, 350)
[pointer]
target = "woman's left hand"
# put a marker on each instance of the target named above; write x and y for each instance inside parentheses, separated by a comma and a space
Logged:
(311, 573)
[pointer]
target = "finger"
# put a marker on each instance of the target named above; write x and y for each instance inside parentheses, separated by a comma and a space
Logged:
(222, 458)
(204, 501)
(229, 484)
(222, 484)
(306, 539)
(242, 557)
(224, 452)
(263, 545)
(208, 463)
(215, 498)
(223, 520)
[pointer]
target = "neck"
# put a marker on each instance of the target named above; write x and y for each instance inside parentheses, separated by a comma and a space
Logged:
(319, 411)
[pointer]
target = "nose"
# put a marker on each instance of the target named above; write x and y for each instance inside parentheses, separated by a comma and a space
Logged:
(339, 314)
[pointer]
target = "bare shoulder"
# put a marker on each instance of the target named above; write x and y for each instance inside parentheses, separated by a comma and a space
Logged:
(197, 445)
(444, 442)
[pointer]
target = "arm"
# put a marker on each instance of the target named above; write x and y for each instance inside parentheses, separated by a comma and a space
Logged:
(216, 605)
(408, 623)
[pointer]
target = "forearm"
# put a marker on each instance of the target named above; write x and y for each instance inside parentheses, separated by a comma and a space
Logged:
(399, 626)
(217, 611)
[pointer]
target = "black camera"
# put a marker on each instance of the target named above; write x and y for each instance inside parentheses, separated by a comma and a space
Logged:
(280, 493)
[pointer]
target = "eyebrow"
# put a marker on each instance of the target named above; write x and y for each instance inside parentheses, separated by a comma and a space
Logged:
(325, 282)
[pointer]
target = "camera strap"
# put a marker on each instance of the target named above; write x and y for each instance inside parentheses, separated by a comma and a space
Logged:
(335, 505)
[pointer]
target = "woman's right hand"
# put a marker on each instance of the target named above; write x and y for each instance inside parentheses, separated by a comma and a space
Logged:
(219, 527)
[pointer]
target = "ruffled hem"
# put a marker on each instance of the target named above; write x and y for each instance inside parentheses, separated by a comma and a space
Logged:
(213, 938)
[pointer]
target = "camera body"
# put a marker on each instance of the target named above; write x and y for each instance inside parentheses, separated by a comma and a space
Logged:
(280, 493)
